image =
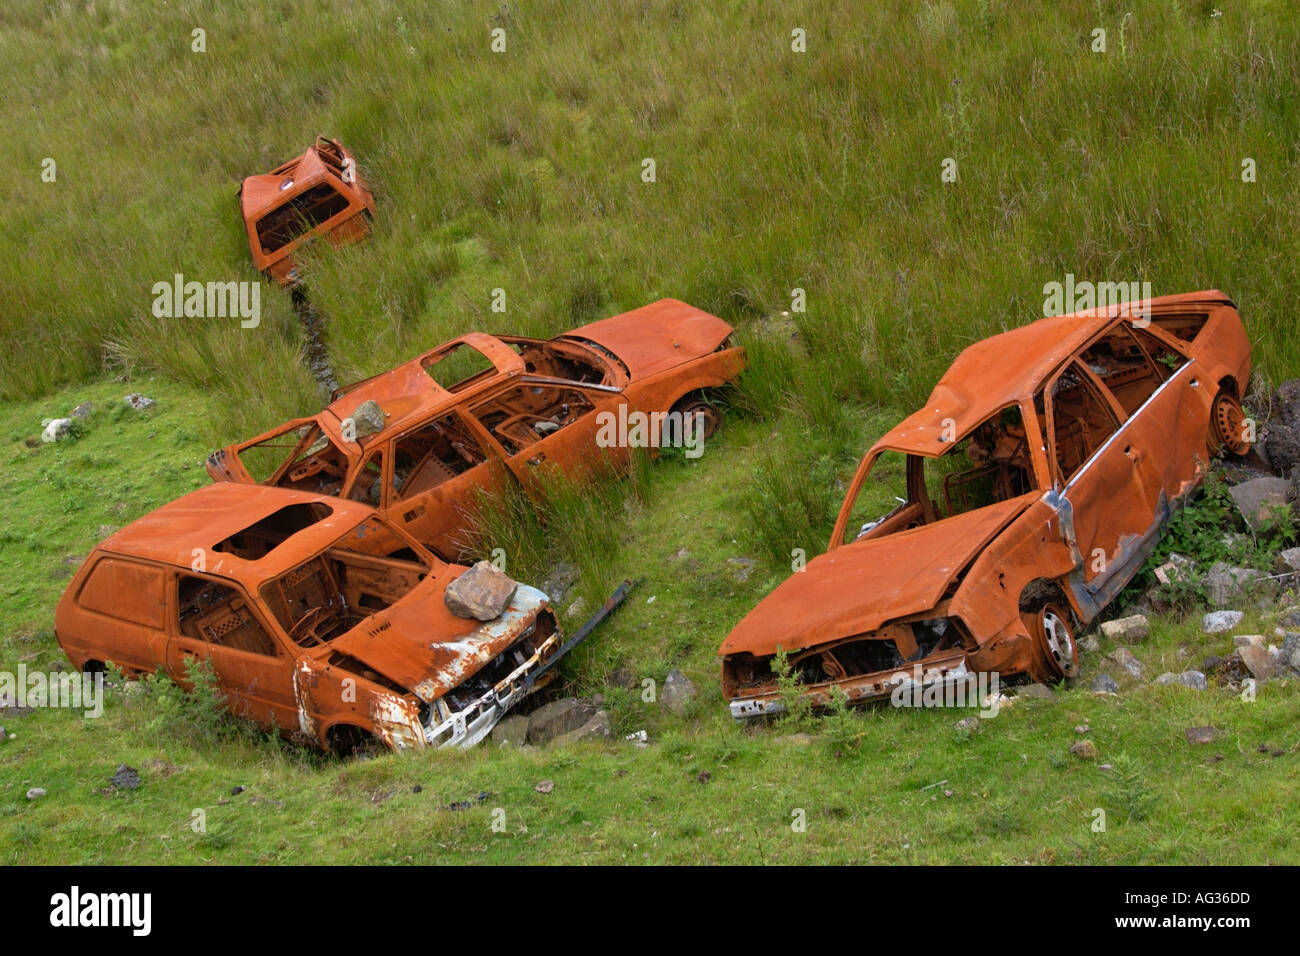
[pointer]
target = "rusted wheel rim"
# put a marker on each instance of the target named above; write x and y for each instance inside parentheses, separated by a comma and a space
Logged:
(1227, 419)
(1058, 641)
(711, 417)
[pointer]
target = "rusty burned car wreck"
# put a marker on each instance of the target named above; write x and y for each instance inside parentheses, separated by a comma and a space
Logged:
(983, 531)
(480, 413)
(320, 619)
(320, 193)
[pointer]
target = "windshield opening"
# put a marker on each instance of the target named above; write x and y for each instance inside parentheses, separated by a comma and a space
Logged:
(303, 458)
(991, 463)
(367, 570)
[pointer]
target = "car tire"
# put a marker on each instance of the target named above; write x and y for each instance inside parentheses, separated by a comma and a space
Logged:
(1226, 420)
(1054, 632)
(698, 404)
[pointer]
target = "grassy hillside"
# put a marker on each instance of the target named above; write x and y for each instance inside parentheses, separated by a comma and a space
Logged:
(522, 171)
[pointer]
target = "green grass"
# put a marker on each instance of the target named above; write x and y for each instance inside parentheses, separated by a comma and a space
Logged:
(521, 171)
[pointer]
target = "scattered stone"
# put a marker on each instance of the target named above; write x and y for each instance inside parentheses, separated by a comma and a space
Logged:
(970, 725)
(576, 609)
(1257, 497)
(1104, 766)
(1289, 655)
(1201, 735)
(1090, 644)
(1281, 437)
(1081, 728)
(1125, 659)
(597, 728)
(480, 797)
(1257, 660)
(1104, 684)
(559, 581)
(743, 568)
(510, 731)
(237, 790)
(557, 718)
(55, 428)
(139, 402)
(678, 691)
(640, 738)
(546, 786)
(83, 410)
(1036, 691)
(105, 530)
(126, 778)
(1224, 584)
(703, 777)
(35, 793)
(417, 788)
(1193, 679)
(368, 418)
(1084, 749)
(1288, 561)
(1241, 640)
(1216, 622)
(481, 593)
(1290, 617)
(1131, 630)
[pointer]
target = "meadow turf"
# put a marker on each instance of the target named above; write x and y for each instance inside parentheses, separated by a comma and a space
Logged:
(522, 171)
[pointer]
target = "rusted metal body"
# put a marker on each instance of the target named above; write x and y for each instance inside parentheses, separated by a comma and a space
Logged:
(320, 193)
(320, 618)
(1032, 486)
(526, 406)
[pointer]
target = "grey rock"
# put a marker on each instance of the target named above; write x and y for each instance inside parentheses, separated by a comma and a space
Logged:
(1193, 679)
(139, 402)
(1257, 660)
(1125, 659)
(596, 728)
(368, 418)
(35, 793)
(83, 410)
(557, 718)
(559, 581)
(1281, 438)
(510, 731)
(126, 778)
(678, 691)
(1224, 583)
(1131, 630)
(1289, 655)
(1290, 618)
(1084, 749)
(1201, 735)
(55, 429)
(970, 725)
(1216, 622)
(1104, 684)
(1241, 640)
(576, 610)
(481, 593)
(1090, 644)
(743, 567)
(1288, 561)
(1255, 498)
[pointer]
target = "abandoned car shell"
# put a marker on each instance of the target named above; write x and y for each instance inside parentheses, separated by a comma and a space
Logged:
(483, 412)
(320, 193)
(318, 617)
(1031, 487)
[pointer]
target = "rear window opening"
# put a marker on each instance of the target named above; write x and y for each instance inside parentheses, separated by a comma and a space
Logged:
(264, 536)
(1184, 326)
